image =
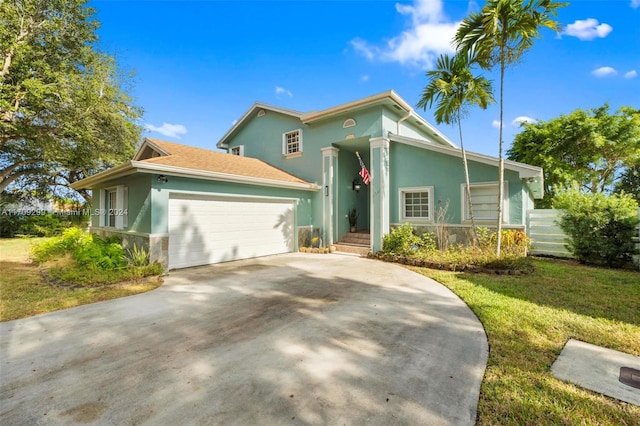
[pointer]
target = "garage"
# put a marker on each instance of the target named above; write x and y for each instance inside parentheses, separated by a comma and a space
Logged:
(206, 229)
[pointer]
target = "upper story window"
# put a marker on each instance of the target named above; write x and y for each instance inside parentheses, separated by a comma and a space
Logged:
(416, 204)
(237, 150)
(292, 143)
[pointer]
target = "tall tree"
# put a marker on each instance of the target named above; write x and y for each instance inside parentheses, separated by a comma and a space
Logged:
(591, 149)
(453, 87)
(499, 35)
(629, 182)
(65, 108)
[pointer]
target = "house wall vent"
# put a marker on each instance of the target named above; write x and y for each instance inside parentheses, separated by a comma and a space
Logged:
(349, 122)
(262, 113)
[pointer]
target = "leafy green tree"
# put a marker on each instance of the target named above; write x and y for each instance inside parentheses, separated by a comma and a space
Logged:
(453, 87)
(65, 108)
(629, 182)
(586, 148)
(499, 35)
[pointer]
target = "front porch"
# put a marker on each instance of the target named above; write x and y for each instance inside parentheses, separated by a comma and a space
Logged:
(344, 190)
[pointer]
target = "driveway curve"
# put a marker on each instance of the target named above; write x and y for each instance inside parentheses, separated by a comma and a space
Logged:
(292, 339)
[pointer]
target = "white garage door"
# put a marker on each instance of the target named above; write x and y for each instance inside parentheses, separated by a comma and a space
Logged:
(206, 229)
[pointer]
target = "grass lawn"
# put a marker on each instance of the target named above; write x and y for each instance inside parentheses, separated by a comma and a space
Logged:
(24, 292)
(529, 318)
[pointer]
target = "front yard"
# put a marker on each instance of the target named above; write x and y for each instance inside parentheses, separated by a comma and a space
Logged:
(24, 291)
(529, 318)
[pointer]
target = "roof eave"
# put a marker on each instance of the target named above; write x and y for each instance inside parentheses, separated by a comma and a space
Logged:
(112, 173)
(533, 175)
(310, 117)
(225, 177)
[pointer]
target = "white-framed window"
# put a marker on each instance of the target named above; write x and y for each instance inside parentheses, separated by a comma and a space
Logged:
(292, 143)
(416, 204)
(484, 199)
(237, 150)
(114, 207)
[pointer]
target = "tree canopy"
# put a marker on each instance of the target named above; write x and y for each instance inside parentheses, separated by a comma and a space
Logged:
(65, 107)
(590, 148)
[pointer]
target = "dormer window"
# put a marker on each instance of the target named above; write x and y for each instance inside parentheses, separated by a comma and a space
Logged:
(292, 143)
(237, 150)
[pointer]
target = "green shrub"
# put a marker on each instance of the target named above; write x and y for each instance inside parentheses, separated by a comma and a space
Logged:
(43, 225)
(601, 227)
(86, 249)
(403, 241)
(512, 242)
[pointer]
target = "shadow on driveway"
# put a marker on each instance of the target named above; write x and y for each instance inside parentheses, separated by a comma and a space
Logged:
(292, 339)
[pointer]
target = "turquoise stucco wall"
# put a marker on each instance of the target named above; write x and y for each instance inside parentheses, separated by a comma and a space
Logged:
(262, 138)
(305, 215)
(412, 166)
(139, 201)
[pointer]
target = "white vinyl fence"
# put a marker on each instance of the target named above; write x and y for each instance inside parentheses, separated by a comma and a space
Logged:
(547, 238)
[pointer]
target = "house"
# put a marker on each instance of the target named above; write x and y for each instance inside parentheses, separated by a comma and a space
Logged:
(287, 176)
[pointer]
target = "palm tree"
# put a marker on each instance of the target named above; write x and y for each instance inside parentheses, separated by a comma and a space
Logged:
(453, 87)
(499, 35)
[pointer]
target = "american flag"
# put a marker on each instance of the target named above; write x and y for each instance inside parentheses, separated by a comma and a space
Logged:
(364, 173)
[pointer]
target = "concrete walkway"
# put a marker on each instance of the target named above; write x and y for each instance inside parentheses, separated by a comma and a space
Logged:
(293, 339)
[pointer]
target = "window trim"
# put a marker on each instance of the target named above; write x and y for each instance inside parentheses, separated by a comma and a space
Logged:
(505, 202)
(401, 203)
(120, 221)
(240, 149)
(297, 153)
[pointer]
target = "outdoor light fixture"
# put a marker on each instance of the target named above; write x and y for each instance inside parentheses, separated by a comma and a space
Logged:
(326, 190)
(162, 179)
(355, 185)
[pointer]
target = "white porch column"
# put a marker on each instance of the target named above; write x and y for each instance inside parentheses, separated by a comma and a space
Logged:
(379, 191)
(329, 194)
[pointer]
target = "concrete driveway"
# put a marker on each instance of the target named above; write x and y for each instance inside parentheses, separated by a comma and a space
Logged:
(292, 339)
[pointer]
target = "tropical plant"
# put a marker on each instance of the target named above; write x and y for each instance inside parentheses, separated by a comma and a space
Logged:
(498, 36)
(453, 87)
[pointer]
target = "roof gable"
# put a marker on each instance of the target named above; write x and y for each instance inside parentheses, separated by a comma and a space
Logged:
(258, 109)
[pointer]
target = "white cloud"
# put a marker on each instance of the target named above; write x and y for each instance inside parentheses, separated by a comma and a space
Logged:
(428, 35)
(588, 29)
(283, 91)
(495, 124)
(632, 73)
(364, 78)
(523, 119)
(635, 4)
(604, 72)
(167, 129)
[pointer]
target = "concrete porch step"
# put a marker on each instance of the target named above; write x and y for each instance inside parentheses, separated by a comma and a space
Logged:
(361, 238)
(352, 248)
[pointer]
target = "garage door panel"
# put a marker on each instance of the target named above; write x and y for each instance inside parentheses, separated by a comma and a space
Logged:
(205, 230)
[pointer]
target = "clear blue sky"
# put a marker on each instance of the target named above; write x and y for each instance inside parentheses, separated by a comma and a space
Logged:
(201, 64)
